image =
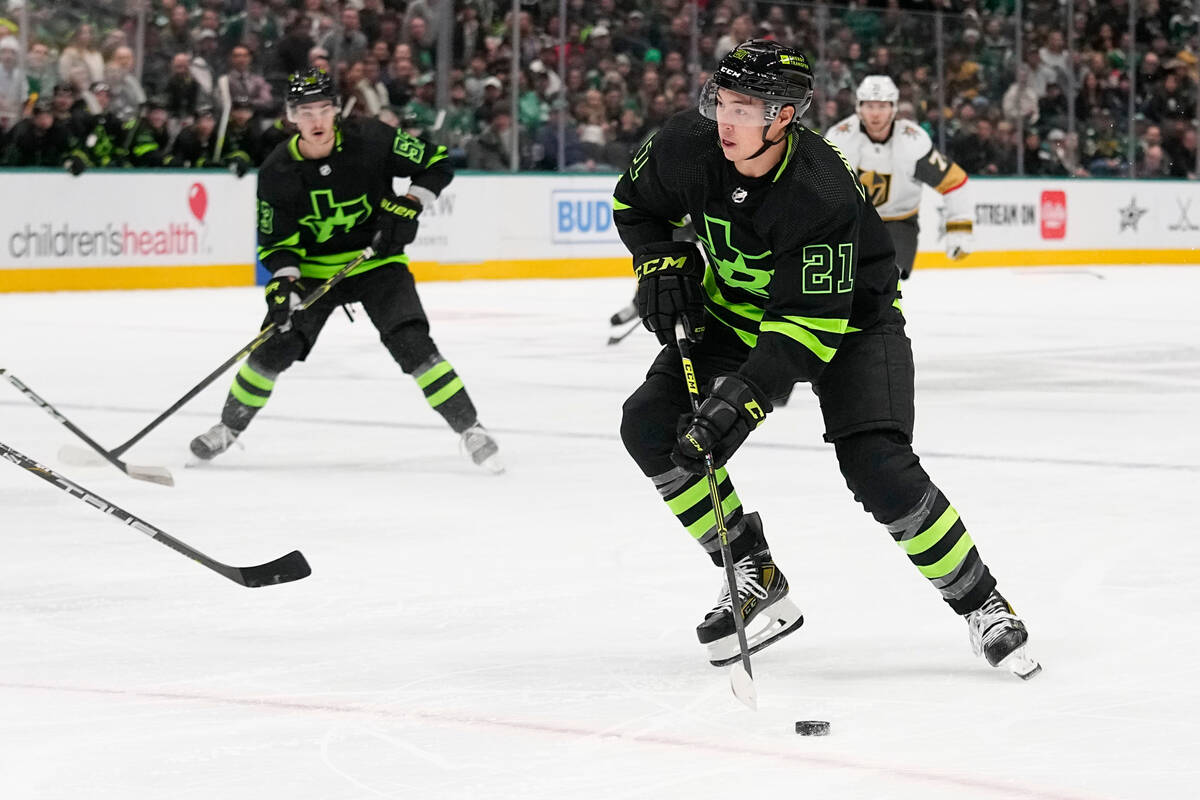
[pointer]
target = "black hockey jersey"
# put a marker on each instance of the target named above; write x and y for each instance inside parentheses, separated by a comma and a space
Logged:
(798, 258)
(318, 214)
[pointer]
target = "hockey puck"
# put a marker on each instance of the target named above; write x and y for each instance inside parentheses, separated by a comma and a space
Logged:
(812, 727)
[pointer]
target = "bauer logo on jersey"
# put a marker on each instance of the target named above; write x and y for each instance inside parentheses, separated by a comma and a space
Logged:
(878, 185)
(330, 217)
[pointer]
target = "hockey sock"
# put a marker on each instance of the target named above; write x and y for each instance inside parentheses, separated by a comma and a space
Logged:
(687, 496)
(250, 391)
(445, 393)
(937, 543)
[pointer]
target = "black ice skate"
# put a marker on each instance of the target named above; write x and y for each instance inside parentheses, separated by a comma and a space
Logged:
(481, 447)
(762, 593)
(999, 635)
(214, 441)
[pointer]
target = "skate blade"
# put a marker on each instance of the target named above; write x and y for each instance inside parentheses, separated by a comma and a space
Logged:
(784, 618)
(743, 686)
(1021, 664)
(493, 465)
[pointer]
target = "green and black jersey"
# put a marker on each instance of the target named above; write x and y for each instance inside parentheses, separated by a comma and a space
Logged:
(798, 258)
(318, 214)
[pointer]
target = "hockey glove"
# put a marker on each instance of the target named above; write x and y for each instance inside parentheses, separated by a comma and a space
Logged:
(397, 225)
(669, 276)
(958, 238)
(283, 296)
(731, 410)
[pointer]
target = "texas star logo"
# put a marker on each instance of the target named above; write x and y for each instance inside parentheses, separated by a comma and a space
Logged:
(1131, 215)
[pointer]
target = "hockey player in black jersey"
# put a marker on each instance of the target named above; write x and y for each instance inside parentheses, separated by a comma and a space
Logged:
(323, 196)
(801, 285)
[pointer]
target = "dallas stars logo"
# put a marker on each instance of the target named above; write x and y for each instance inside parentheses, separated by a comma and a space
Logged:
(328, 215)
(734, 266)
(1131, 215)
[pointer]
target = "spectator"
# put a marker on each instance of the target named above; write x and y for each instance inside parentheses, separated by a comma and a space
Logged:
(416, 36)
(1038, 161)
(1052, 109)
(1054, 56)
(14, 86)
(374, 90)
(632, 39)
(243, 82)
(127, 92)
(975, 150)
(64, 103)
(348, 44)
(1065, 149)
(1171, 100)
(1020, 102)
(182, 93)
(204, 62)
(1153, 164)
(291, 52)
(196, 144)
(493, 100)
(39, 68)
(353, 93)
(491, 149)
(81, 51)
(1180, 147)
(400, 83)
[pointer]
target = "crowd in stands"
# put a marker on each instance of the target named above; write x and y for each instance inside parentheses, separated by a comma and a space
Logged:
(79, 101)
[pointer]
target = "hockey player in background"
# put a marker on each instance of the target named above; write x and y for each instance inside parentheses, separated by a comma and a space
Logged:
(893, 157)
(801, 286)
(323, 196)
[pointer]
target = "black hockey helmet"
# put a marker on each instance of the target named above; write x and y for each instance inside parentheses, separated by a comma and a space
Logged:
(773, 72)
(310, 86)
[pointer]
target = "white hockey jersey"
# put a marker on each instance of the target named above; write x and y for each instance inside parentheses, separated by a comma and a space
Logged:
(892, 172)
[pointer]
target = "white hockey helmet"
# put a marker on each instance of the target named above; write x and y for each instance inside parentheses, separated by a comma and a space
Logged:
(879, 88)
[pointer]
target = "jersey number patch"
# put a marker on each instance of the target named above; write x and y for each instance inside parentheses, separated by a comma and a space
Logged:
(266, 218)
(409, 147)
(819, 267)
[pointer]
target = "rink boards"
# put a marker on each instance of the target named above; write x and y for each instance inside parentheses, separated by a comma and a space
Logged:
(171, 229)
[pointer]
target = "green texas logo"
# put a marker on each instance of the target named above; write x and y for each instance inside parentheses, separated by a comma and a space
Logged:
(329, 215)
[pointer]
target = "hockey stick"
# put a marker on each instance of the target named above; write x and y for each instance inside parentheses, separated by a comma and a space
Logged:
(741, 678)
(291, 567)
(226, 109)
(625, 333)
(151, 474)
(71, 454)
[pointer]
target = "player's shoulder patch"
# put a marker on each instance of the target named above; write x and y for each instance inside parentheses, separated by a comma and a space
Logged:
(912, 137)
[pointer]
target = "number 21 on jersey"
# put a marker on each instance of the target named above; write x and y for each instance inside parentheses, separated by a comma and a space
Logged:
(819, 267)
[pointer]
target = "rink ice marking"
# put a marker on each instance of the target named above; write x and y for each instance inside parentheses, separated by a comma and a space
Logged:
(997, 788)
(752, 445)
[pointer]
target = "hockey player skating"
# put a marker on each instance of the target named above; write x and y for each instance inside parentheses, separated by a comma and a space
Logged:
(801, 286)
(323, 196)
(893, 157)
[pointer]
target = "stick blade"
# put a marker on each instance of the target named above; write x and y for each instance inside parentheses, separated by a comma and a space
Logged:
(159, 475)
(743, 686)
(284, 569)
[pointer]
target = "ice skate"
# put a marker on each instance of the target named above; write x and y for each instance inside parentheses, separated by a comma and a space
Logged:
(999, 635)
(762, 594)
(481, 447)
(213, 442)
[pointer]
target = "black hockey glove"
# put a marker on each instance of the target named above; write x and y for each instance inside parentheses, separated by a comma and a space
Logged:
(396, 227)
(283, 295)
(731, 410)
(669, 276)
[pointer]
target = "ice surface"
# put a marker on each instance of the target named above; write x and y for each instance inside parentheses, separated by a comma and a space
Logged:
(530, 636)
